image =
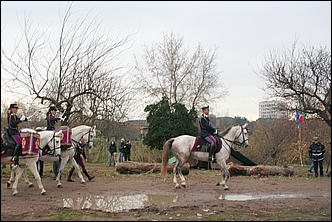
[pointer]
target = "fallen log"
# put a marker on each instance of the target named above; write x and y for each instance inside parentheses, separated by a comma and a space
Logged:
(130, 167)
(260, 170)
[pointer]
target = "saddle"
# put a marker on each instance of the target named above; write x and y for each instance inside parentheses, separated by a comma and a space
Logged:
(201, 145)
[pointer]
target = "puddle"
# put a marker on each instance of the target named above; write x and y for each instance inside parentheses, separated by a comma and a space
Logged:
(117, 204)
(241, 197)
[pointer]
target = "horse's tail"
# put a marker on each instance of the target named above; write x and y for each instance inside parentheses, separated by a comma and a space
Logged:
(165, 156)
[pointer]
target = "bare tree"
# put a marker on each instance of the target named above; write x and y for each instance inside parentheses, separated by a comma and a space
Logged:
(303, 77)
(168, 70)
(78, 72)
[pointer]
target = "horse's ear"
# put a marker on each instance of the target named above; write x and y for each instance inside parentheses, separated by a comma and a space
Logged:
(245, 125)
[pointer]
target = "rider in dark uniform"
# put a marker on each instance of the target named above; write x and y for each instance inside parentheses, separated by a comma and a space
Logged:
(13, 131)
(51, 120)
(207, 131)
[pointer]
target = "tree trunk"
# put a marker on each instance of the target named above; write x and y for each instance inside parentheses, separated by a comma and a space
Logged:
(130, 167)
(236, 170)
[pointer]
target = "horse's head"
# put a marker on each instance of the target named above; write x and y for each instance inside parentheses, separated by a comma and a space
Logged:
(87, 132)
(52, 139)
(243, 136)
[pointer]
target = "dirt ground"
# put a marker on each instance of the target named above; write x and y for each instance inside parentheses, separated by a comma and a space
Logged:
(148, 197)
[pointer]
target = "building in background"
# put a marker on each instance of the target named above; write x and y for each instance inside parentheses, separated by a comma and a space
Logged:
(272, 109)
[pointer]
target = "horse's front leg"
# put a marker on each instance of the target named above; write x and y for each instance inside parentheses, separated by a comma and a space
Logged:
(63, 163)
(224, 175)
(34, 171)
(77, 168)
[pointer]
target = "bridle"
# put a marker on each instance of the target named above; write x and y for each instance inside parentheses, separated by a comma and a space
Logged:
(89, 136)
(244, 140)
(53, 142)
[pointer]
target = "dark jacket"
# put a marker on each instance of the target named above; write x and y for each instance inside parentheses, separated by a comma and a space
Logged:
(112, 148)
(122, 144)
(13, 122)
(127, 148)
(51, 121)
(316, 151)
(205, 127)
(80, 150)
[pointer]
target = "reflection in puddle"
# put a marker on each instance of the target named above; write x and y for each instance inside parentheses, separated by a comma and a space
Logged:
(117, 204)
(241, 197)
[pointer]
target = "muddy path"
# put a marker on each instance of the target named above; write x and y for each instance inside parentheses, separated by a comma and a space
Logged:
(113, 196)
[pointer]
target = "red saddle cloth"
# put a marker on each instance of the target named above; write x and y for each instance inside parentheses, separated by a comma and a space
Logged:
(30, 143)
(66, 137)
(199, 143)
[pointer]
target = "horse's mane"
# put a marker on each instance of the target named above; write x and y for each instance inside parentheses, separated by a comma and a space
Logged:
(224, 132)
(28, 130)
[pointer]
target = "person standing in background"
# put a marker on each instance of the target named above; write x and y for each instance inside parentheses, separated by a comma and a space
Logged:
(112, 150)
(126, 151)
(316, 154)
(121, 147)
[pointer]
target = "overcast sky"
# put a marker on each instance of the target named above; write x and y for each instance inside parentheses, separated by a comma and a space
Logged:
(244, 33)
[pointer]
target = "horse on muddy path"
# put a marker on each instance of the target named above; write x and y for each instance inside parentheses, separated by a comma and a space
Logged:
(185, 146)
(67, 154)
(28, 159)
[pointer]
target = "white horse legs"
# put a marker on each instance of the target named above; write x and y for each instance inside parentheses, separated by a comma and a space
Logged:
(64, 160)
(19, 171)
(25, 176)
(177, 170)
(224, 175)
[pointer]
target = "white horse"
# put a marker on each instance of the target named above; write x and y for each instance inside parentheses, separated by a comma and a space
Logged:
(53, 141)
(29, 161)
(68, 154)
(183, 148)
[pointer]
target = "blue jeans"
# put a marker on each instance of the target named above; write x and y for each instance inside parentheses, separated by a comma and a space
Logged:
(311, 166)
(111, 160)
(56, 167)
(121, 157)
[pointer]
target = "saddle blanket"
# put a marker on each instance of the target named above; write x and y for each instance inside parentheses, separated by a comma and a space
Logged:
(201, 145)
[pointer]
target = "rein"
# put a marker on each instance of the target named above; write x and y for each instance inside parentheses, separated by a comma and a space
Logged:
(235, 142)
(54, 147)
(89, 140)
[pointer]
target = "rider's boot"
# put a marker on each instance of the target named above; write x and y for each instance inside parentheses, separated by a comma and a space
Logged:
(87, 174)
(15, 155)
(70, 174)
(211, 149)
(214, 154)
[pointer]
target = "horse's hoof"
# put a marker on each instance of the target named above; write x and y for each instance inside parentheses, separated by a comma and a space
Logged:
(218, 184)
(59, 186)
(83, 183)
(15, 194)
(178, 187)
(43, 193)
(184, 185)
(8, 185)
(225, 188)
(31, 185)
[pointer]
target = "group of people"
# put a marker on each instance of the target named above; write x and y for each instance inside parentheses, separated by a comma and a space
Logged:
(316, 149)
(51, 120)
(124, 151)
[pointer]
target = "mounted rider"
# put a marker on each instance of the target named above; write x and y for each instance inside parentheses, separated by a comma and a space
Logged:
(51, 119)
(207, 131)
(13, 122)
